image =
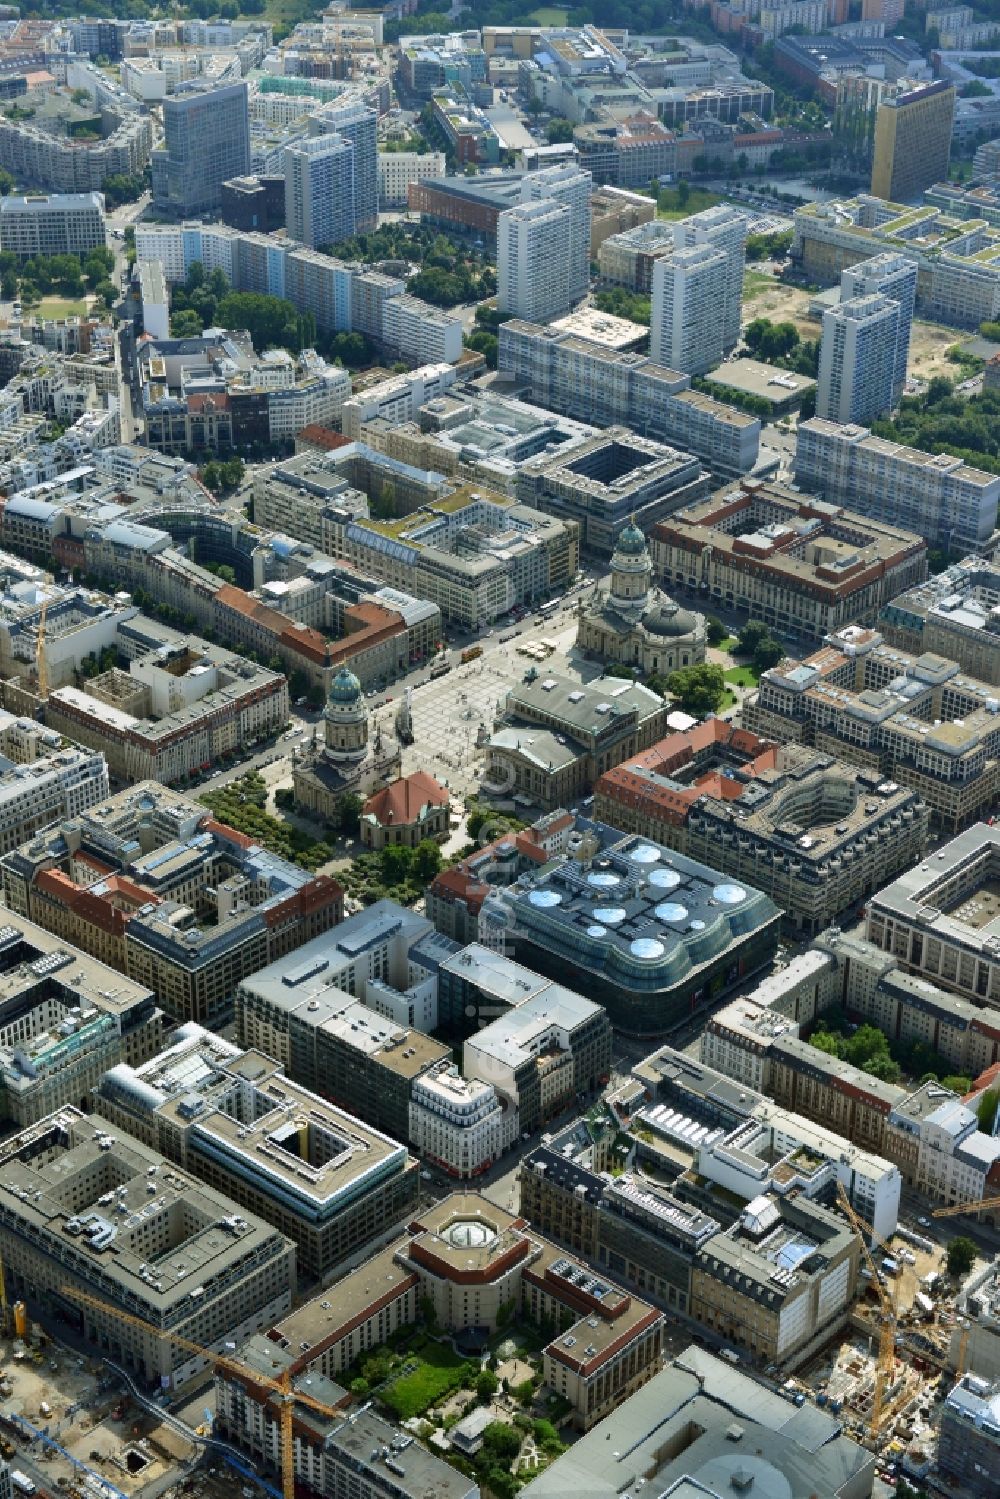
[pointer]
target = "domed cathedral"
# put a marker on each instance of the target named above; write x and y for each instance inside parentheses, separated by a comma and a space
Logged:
(348, 761)
(634, 622)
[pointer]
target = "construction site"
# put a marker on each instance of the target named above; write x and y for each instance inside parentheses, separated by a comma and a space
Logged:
(74, 1426)
(903, 1351)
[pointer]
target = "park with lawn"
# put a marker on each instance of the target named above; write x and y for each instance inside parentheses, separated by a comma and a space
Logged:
(425, 1383)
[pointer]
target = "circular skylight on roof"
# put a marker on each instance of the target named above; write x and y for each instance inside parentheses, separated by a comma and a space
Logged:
(697, 926)
(670, 910)
(602, 879)
(469, 1233)
(545, 898)
(729, 895)
(664, 879)
(610, 914)
(645, 854)
(647, 947)
(597, 931)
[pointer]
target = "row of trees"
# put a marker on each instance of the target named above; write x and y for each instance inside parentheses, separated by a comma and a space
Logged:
(206, 300)
(869, 1049)
(624, 303)
(940, 421)
(68, 275)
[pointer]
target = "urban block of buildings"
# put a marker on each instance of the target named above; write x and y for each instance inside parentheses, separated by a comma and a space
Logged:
(341, 297)
(720, 1271)
(181, 705)
(914, 719)
(65, 1018)
(805, 566)
(938, 919)
(329, 1182)
(613, 480)
(958, 275)
(701, 1131)
(582, 378)
(149, 882)
(816, 834)
(931, 1136)
(471, 1258)
(649, 932)
(935, 495)
(350, 1014)
(953, 614)
(86, 1211)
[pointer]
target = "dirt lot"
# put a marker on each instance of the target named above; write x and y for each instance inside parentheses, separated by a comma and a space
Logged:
(928, 343)
(765, 297)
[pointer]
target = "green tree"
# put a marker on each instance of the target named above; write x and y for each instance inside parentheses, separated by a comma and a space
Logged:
(7, 183)
(698, 689)
(767, 653)
(426, 860)
(501, 1443)
(961, 1256)
(868, 1041)
(484, 343)
(715, 630)
(825, 1041)
(349, 806)
(559, 131)
(185, 324)
(395, 861)
(486, 1386)
(750, 637)
(957, 1082)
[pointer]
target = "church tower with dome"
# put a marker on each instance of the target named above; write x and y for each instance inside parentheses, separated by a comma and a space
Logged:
(348, 761)
(345, 720)
(634, 623)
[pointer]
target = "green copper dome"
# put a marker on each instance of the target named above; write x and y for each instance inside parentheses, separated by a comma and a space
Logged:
(345, 689)
(631, 540)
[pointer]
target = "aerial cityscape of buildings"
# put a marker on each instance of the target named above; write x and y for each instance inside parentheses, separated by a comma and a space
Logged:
(500, 752)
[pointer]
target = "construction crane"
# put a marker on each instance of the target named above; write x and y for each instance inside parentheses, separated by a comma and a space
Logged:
(967, 1207)
(41, 665)
(287, 1397)
(887, 1327)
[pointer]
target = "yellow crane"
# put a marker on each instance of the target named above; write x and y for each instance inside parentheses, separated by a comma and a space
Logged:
(967, 1207)
(287, 1397)
(41, 665)
(887, 1326)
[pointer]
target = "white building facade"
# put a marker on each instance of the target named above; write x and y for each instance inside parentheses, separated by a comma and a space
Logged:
(460, 1124)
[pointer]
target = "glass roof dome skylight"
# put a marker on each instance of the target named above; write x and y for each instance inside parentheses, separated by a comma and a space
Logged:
(647, 947)
(545, 898)
(670, 910)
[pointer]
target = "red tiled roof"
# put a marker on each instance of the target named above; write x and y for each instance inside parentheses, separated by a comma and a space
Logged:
(322, 437)
(406, 800)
